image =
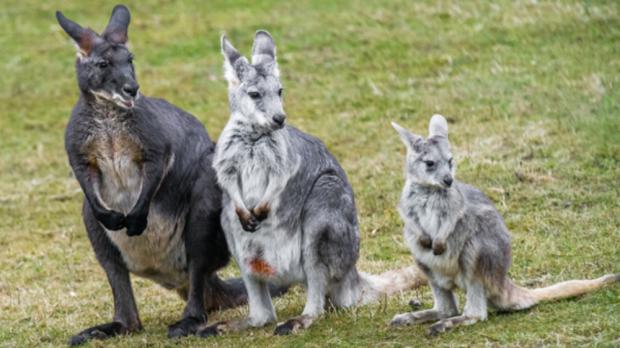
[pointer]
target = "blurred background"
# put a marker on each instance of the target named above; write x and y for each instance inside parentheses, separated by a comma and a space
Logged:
(530, 90)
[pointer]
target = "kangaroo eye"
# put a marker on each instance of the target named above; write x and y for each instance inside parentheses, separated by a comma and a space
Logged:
(254, 94)
(102, 64)
(280, 91)
(429, 164)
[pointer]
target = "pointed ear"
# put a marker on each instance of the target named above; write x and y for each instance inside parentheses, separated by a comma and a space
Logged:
(264, 51)
(116, 31)
(438, 126)
(85, 39)
(236, 67)
(411, 140)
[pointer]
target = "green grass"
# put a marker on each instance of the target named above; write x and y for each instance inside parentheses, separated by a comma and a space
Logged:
(531, 90)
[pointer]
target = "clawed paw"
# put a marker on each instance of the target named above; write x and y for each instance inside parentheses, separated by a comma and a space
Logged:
(112, 220)
(185, 327)
(261, 211)
(211, 330)
(136, 223)
(287, 328)
(439, 247)
(248, 222)
(103, 331)
(401, 320)
(425, 242)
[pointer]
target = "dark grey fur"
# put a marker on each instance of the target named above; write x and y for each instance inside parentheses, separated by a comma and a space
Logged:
(152, 205)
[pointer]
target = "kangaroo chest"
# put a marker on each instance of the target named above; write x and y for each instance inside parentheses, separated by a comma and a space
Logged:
(117, 155)
(254, 175)
(430, 214)
(257, 165)
(159, 253)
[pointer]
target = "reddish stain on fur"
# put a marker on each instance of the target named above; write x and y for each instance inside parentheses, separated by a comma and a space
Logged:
(260, 266)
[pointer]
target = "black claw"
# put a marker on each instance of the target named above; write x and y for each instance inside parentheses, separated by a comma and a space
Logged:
(98, 332)
(209, 331)
(251, 226)
(185, 327)
(77, 340)
(285, 329)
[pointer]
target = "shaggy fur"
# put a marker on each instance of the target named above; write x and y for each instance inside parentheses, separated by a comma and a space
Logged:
(460, 240)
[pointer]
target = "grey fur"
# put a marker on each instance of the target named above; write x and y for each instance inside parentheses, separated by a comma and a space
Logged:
(151, 201)
(460, 240)
(288, 210)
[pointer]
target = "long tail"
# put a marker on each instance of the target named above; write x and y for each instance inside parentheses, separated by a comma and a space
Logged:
(376, 286)
(220, 294)
(516, 297)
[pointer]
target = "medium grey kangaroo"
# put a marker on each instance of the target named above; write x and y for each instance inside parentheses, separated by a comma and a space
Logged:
(288, 210)
(152, 205)
(460, 240)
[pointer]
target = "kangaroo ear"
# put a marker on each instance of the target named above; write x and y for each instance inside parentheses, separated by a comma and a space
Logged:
(236, 67)
(264, 51)
(438, 126)
(411, 140)
(85, 39)
(116, 31)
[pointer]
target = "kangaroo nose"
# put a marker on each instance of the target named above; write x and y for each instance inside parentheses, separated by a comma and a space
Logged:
(279, 119)
(131, 89)
(448, 181)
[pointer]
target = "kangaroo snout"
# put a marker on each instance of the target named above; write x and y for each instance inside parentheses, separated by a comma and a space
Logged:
(131, 89)
(279, 119)
(447, 180)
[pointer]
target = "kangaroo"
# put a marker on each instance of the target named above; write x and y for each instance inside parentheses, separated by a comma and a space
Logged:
(152, 205)
(288, 210)
(460, 240)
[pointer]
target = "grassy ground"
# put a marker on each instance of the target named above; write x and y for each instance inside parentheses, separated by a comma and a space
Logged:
(531, 90)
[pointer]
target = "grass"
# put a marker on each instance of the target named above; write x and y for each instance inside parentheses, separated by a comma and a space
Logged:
(530, 88)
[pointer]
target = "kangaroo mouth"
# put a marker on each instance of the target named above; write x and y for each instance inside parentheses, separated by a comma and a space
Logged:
(117, 99)
(126, 103)
(123, 102)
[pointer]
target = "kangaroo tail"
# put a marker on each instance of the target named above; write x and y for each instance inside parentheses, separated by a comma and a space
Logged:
(516, 297)
(390, 282)
(222, 294)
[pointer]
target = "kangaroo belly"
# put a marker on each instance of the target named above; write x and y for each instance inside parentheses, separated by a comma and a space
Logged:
(444, 269)
(273, 253)
(158, 253)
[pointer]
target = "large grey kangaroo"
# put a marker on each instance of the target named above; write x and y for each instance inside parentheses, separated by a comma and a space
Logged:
(152, 204)
(288, 210)
(460, 240)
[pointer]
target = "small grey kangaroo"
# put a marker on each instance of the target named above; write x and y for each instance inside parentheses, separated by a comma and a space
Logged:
(460, 240)
(288, 210)
(152, 205)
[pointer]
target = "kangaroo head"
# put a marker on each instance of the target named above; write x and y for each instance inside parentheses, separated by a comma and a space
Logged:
(104, 64)
(254, 89)
(429, 160)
